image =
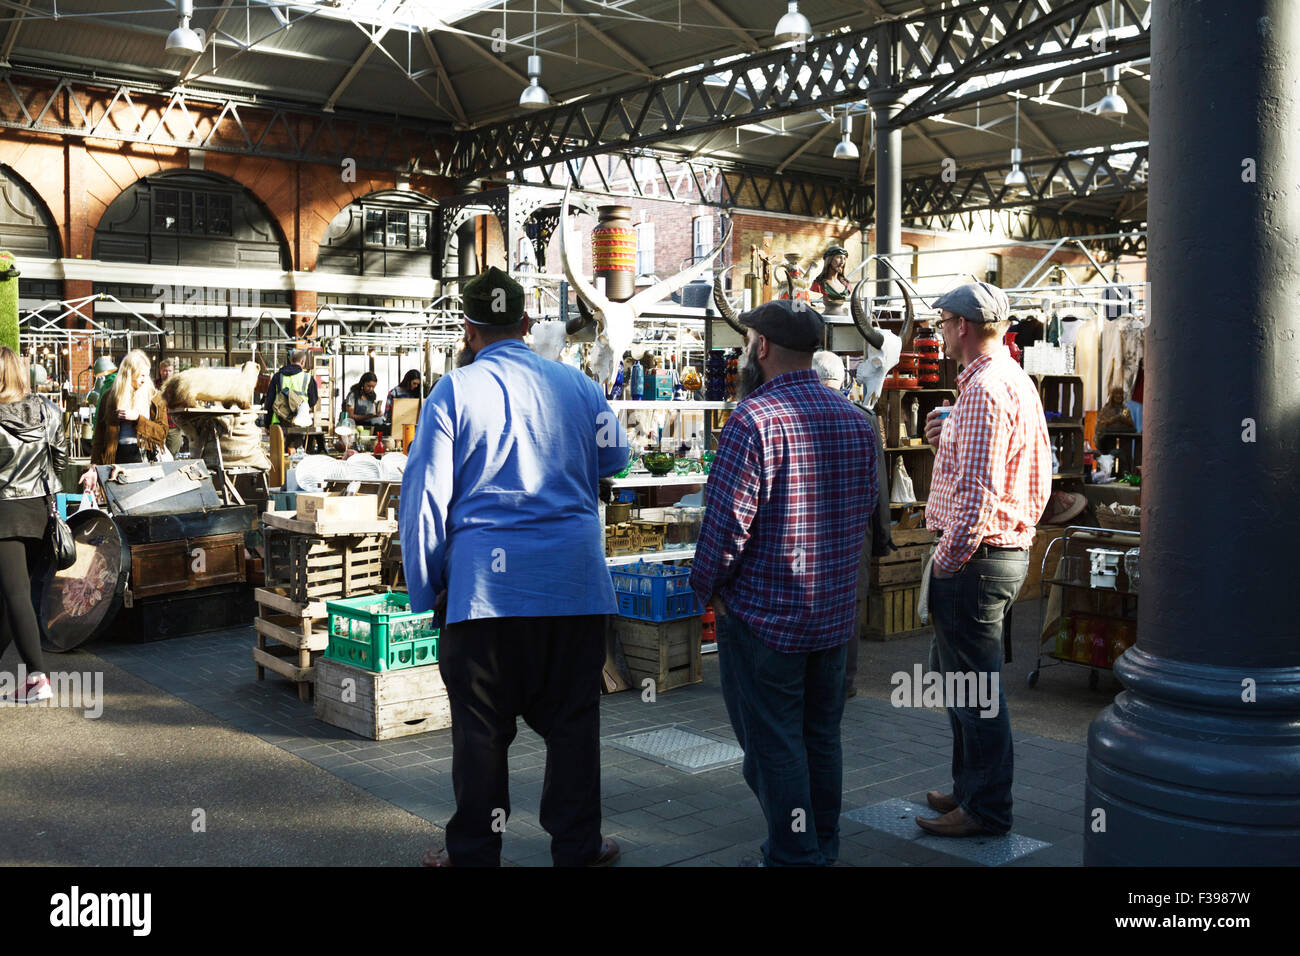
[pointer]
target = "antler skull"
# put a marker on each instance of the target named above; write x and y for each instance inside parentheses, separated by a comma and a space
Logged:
(614, 322)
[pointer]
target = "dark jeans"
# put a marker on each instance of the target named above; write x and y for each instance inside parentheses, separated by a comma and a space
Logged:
(967, 611)
(546, 669)
(786, 710)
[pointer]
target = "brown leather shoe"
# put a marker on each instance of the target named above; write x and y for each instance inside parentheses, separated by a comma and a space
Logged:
(941, 802)
(955, 823)
(440, 858)
(609, 853)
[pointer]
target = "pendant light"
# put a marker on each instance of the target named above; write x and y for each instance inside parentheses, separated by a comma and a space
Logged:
(1017, 179)
(794, 26)
(183, 41)
(846, 148)
(1112, 104)
(534, 97)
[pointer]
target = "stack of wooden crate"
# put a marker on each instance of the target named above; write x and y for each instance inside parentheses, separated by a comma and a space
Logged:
(895, 588)
(332, 547)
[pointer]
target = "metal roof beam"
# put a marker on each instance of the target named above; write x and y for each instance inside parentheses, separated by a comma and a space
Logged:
(11, 35)
(745, 37)
(937, 51)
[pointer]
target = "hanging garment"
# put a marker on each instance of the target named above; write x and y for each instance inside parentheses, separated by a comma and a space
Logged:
(1121, 352)
(1085, 336)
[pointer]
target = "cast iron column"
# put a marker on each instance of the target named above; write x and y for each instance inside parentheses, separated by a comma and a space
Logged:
(885, 105)
(1198, 761)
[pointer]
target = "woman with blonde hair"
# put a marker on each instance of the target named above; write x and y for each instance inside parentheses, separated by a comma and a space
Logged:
(33, 451)
(131, 425)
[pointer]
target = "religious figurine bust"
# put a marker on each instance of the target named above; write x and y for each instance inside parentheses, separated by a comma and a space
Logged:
(831, 283)
(1113, 417)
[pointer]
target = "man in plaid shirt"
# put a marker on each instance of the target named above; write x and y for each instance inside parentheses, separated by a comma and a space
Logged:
(790, 495)
(992, 476)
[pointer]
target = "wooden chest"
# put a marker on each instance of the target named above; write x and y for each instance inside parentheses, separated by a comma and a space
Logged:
(166, 567)
(381, 706)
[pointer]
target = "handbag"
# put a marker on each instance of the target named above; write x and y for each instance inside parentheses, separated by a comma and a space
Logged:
(60, 544)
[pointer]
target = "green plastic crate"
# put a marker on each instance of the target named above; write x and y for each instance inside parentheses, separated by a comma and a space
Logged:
(370, 633)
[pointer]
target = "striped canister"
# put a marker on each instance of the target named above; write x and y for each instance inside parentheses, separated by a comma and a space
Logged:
(613, 252)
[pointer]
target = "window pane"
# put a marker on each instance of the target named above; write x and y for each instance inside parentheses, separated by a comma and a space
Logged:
(397, 226)
(374, 227)
(200, 213)
(164, 209)
(220, 215)
(419, 230)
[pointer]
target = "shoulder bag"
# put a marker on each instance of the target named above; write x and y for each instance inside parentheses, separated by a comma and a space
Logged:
(59, 543)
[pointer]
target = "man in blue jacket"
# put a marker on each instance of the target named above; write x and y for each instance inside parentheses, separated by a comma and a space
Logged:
(500, 527)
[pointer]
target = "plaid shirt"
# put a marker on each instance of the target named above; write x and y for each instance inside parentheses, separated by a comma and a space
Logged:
(993, 470)
(789, 497)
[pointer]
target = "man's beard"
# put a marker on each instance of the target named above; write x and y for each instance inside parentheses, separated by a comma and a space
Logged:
(465, 355)
(751, 374)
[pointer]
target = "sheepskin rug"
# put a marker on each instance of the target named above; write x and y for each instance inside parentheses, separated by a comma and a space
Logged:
(217, 386)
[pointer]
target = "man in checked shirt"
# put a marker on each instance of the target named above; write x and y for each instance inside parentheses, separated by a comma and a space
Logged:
(992, 476)
(790, 495)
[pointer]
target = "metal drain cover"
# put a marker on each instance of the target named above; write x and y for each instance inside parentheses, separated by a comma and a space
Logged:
(685, 750)
(896, 817)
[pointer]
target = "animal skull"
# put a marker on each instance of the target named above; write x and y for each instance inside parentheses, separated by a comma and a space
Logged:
(613, 323)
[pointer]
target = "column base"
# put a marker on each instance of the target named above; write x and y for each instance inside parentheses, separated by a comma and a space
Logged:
(1186, 772)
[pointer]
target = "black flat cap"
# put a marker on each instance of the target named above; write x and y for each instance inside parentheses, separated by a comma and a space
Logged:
(792, 323)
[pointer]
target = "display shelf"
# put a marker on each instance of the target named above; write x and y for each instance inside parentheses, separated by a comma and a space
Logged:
(681, 554)
(911, 448)
(653, 481)
(1078, 425)
(1084, 586)
(626, 406)
(1068, 474)
(913, 504)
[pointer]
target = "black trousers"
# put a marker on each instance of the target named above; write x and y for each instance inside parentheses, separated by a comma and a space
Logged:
(18, 559)
(547, 670)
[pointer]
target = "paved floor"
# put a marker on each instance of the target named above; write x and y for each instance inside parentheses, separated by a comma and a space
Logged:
(187, 727)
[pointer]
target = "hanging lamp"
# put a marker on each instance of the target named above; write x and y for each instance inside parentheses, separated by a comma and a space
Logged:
(846, 148)
(1016, 179)
(794, 26)
(534, 97)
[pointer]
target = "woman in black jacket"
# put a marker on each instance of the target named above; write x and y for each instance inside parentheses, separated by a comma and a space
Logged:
(33, 451)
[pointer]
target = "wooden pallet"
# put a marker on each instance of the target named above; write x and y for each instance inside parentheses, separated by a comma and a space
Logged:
(310, 568)
(288, 521)
(290, 636)
(381, 706)
(667, 653)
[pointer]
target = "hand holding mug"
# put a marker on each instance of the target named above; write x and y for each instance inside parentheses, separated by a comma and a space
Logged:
(934, 423)
(89, 479)
(129, 414)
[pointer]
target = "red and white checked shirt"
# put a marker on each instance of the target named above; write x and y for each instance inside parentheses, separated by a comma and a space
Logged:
(993, 471)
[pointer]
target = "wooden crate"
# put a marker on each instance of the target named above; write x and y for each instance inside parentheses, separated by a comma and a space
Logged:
(336, 507)
(291, 635)
(905, 565)
(381, 706)
(309, 568)
(1068, 440)
(892, 411)
(287, 521)
(891, 613)
(667, 653)
(166, 567)
(1062, 394)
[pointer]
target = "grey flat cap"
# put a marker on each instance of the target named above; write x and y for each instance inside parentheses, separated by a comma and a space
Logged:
(796, 326)
(976, 302)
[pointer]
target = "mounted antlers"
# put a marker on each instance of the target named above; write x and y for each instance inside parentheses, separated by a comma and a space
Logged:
(615, 321)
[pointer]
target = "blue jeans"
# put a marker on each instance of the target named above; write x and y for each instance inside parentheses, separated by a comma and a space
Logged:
(967, 611)
(786, 711)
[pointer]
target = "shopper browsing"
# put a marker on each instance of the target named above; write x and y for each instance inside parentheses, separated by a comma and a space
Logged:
(499, 526)
(361, 404)
(409, 387)
(878, 540)
(992, 476)
(790, 495)
(290, 387)
(131, 425)
(33, 451)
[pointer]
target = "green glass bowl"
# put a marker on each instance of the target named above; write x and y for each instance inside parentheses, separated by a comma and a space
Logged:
(658, 463)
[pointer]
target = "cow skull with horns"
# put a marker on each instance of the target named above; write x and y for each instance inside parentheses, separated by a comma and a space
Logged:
(883, 346)
(612, 324)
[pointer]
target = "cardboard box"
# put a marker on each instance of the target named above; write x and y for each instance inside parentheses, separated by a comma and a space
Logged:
(334, 507)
